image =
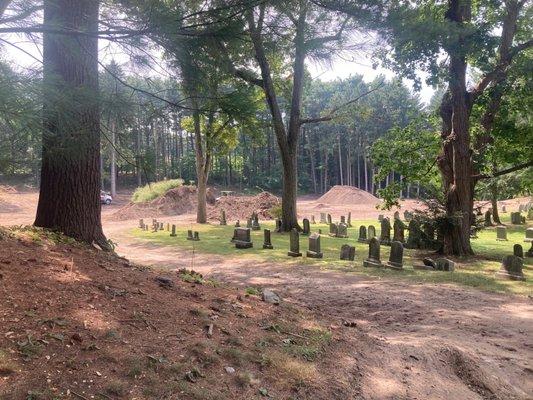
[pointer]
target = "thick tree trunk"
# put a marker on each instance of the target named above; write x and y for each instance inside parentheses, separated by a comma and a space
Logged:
(69, 197)
(494, 191)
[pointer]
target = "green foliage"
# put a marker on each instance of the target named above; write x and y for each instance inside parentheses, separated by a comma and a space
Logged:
(154, 190)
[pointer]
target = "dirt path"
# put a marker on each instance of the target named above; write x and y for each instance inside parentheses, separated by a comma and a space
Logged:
(410, 341)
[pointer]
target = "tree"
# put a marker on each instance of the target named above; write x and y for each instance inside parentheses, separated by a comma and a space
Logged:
(69, 198)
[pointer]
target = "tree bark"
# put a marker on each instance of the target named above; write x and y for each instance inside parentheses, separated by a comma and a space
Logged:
(69, 197)
(113, 169)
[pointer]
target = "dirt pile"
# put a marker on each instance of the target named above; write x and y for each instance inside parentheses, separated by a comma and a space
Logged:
(7, 189)
(79, 323)
(241, 207)
(347, 195)
(181, 200)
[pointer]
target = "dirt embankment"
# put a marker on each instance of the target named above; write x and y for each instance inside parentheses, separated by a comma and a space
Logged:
(348, 195)
(242, 207)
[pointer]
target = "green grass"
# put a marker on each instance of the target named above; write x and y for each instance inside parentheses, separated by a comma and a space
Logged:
(475, 271)
(154, 190)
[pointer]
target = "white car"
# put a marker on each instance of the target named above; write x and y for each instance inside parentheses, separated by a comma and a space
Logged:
(105, 198)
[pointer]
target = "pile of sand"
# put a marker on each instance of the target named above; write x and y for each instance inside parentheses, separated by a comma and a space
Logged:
(242, 207)
(350, 195)
(181, 200)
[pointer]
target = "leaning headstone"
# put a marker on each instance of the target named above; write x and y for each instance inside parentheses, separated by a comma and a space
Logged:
(313, 222)
(385, 231)
(518, 250)
(307, 228)
(242, 238)
(141, 223)
(488, 218)
(347, 252)
(443, 264)
(343, 219)
(294, 244)
(173, 233)
(314, 247)
(267, 242)
(415, 235)
(349, 221)
(398, 229)
(373, 259)
(396, 255)
(329, 219)
(333, 229)
(342, 230)
(362, 234)
(189, 235)
(371, 232)
(223, 218)
(501, 233)
(323, 219)
(511, 268)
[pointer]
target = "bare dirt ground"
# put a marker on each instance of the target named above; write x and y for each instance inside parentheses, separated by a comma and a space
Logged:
(410, 341)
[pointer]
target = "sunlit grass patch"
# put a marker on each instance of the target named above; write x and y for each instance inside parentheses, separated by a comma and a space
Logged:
(154, 190)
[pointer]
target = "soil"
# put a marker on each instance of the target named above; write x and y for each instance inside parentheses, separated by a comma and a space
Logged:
(242, 207)
(405, 340)
(345, 195)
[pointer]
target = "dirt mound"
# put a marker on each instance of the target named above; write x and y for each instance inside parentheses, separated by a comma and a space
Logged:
(340, 195)
(97, 327)
(181, 200)
(7, 189)
(241, 207)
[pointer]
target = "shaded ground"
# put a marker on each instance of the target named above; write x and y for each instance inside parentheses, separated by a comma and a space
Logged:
(411, 341)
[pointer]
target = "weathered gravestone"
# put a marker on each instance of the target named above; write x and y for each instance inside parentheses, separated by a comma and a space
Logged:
(520, 208)
(333, 229)
(396, 255)
(343, 219)
(196, 236)
(342, 230)
(267, 242)
(373, 259)
(501, 233)
(173, 233)
(313, 220)
(168, 227)
(516, 218)
(511, 268)
(443, 264)
(488, 218)
(141, 223)
(314, 247)
(155, 227)
(371, 232)
(380, 217)
(249, 223)
(396, 215)
(347, 252)
(504, 209)
(323, 219)
(279, 225)
(349, 221)
(145, 227)
(223, 218)
(407, 215)
(530, 213)
(385, 231)
(161, 227)
(329, 219)
(518, 250)
(307, 228)
(415, 235)
(238, 224)
(362, 234)
(242, 238)
(529, 238)
(189, 235)
(294, 244)
(399, 228)
(255, 222)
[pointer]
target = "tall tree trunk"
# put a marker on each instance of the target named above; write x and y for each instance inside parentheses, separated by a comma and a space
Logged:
(494, 191)
(69, 197)
(113, 161)
(341, 176)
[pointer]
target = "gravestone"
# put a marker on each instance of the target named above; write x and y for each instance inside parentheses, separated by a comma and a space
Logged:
(415, 235)
(501, 233)
(396, 255)
(196, 236)
(385, 231)
(488, 218)
(373, 259)
(518, 250)
(173, 233)
(516, 218)
(155, 228)
(347, 252)
(249, 223)
(407, 215)
(443, 264)
(189, 235)
(399, 228)
(504, 209)
(520, 208)
(329, 219)
(511, 268)
(333, 230)
(242, 238)
(380, 217)
(343, 219)
(145, 227)
(362, 234)
(307, 228)
(320, 231)
(323, 219)
(168, 227)
(294, 244)
(267, 242)
(223, 218)
(278, 225)
(313, 222)
(371, 232)
(141, 223)
(396, 215)
(529, 238)
(314, 247)
(530, 213)
(255, 222)
(342, 230)
(349, 222)
(161, 226)
(238, 224)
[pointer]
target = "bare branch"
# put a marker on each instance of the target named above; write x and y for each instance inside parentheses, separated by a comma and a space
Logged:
(504, 171)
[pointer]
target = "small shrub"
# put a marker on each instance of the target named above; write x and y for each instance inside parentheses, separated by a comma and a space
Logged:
(252, 291)
(154, 190)
(276, 211)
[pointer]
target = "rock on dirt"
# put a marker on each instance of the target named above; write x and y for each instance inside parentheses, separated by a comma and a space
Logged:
(347, 195)
(271, 297)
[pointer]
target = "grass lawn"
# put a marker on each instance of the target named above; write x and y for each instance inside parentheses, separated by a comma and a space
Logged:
(475, 271)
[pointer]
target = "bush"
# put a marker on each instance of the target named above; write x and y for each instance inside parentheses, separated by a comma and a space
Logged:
(154, 190)
(276, 211)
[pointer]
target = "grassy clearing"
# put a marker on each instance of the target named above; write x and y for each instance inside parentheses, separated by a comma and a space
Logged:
(472, 271)
(154, 190)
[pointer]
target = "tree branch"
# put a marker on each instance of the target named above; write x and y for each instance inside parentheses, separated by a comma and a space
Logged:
(504, 171)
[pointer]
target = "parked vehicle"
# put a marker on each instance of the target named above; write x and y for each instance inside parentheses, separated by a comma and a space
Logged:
(105, 198)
